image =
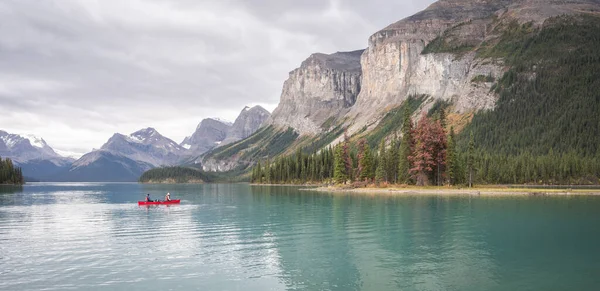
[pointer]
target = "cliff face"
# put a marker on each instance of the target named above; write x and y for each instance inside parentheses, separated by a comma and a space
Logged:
(324, 87)
(394, 65)
(208, 135)
(248, 122)
(438, 53)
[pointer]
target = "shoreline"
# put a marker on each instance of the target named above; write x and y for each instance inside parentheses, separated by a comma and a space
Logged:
(444, 191)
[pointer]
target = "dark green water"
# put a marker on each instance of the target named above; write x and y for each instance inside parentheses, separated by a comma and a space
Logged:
(241, 237)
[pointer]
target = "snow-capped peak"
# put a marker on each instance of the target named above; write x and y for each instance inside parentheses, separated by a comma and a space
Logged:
(142, 135)
(9, 140)
(35, 141)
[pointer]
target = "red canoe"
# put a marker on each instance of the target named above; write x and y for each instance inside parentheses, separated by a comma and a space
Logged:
(159, 202)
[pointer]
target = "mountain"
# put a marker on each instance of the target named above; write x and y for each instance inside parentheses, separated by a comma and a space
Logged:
(208, 135)
(321, 90)
(516, 73)
(146, 145)
(124, 158)
(103, 166)
(247, 123)
(36, 158)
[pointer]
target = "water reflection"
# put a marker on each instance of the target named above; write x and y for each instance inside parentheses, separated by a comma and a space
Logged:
(10, 189)
(236, 237)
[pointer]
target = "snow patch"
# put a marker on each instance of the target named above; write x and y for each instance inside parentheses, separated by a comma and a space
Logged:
(35, 141)
(135, 138)
(9, 141)
(186, 146)
(218, 142)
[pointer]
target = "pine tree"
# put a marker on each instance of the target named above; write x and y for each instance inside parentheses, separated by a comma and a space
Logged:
(339, 172)
(347, 158)
(430, 150)
(440, 149)
(406, 148)
(471, 159)
(381, 164)
(366, 162)
(451, 158)
(393, 158)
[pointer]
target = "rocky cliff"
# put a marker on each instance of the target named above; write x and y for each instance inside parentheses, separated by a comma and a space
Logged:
(208, 135)
(396, 63)
(324, 87)
(247, 123)
(444, 53)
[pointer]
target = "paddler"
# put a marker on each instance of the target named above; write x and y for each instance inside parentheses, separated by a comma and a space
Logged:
(168, 197)
(148, 198)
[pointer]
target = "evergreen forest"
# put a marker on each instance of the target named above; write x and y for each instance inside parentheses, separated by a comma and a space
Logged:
(9, 173)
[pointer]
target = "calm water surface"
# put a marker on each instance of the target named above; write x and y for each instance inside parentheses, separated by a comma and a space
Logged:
(241, 237)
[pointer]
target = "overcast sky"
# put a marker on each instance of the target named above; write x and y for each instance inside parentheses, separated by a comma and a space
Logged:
(76, 71)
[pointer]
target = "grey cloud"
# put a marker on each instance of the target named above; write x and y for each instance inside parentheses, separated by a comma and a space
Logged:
(75, 71)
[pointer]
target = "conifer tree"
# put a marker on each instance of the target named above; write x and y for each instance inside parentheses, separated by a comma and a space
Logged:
(339, 170)
(365, 165)
(471, 159)
(452, 162)
(393, 158)
(347, 158)
(406, 148)
(380, 174)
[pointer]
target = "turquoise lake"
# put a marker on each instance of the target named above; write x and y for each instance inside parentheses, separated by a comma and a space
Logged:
(94, 236)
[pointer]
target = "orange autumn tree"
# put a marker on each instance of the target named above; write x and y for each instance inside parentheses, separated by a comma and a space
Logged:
(429, 155)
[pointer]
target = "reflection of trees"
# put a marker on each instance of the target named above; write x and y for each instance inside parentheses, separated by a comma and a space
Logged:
(10, 189)
(5, 194)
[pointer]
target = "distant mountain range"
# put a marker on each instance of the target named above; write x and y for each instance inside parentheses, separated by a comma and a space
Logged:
(124, 158)
(520, 76)
(36, 158)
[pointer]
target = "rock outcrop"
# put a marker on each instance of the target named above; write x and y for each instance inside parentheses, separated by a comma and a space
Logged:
(394, 66)
(324, 87)
(208, 135)
(247, 123)
(435, 53)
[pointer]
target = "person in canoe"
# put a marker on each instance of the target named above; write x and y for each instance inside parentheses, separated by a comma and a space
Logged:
(168, 197)
(148, 198)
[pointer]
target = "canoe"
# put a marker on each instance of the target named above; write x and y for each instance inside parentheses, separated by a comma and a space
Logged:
(159, 202)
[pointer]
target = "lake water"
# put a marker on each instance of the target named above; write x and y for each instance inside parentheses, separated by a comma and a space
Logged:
(242, 237)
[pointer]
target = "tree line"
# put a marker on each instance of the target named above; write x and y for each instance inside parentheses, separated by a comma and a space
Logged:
(425, 153)
(174, 174)
(9, 173)
(545, 128)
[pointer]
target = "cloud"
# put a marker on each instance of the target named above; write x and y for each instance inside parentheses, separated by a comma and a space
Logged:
(76, 71)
